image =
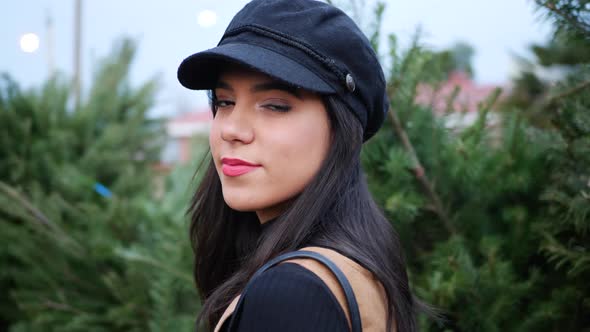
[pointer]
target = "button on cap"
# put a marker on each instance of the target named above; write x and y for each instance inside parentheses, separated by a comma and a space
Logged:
(350, 83)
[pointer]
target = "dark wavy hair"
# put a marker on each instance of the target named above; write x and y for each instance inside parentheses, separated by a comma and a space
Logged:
(335, 210)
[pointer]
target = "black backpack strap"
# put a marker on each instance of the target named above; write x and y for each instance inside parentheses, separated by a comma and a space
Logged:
(353, 308)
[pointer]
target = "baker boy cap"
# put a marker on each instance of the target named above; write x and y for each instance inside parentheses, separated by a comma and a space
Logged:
(305, 43)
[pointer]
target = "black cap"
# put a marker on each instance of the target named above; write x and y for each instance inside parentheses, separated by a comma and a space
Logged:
(306, 43)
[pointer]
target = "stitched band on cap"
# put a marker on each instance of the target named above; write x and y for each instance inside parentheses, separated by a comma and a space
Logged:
(289, 40)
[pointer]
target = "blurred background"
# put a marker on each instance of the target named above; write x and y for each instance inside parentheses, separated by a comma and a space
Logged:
(100, 148)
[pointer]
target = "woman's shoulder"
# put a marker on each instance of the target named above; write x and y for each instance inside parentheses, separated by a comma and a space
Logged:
(290, 297)
(303, 295)
(291, 280)
(368, 290)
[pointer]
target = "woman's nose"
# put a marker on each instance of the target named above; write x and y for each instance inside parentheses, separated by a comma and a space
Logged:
(236, 126)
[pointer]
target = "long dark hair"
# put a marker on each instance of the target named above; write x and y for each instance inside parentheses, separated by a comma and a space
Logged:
(335, 210)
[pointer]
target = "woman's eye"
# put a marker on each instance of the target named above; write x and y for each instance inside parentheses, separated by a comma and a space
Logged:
(278, 108)
(220, 103)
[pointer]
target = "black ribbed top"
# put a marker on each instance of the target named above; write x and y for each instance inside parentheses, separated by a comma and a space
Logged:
(289, 298)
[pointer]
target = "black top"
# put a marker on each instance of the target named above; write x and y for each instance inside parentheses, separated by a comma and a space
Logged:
(289, 298)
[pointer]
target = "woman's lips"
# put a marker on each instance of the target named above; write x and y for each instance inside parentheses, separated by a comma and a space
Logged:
(236, 167)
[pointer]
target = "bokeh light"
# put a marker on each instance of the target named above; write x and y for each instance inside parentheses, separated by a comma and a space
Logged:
(207, 18)
(29, 43)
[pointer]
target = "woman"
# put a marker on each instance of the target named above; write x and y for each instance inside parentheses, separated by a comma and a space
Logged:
(295, 90)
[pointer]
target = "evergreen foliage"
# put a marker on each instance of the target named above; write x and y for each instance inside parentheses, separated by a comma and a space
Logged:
(76, 204)
(495, 220)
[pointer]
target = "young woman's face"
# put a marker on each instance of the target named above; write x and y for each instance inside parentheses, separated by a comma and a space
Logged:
(267, 141)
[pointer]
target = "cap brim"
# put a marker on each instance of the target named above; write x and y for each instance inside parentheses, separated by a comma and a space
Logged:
(200, 71)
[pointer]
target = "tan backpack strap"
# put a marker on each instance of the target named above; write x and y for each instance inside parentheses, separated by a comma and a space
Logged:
(228, 311)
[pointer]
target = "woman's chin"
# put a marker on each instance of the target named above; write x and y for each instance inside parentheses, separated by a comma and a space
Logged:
(241, 204)
(266, 209)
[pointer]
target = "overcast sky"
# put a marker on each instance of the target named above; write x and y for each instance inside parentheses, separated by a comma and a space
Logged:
(168, 31)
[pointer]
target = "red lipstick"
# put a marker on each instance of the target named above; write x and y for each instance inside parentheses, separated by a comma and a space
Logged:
(236, 167)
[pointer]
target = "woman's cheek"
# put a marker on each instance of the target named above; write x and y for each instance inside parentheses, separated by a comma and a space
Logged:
(214, 138)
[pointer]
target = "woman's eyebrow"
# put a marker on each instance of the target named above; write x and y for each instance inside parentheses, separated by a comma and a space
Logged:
(275, 85)
(223, 85)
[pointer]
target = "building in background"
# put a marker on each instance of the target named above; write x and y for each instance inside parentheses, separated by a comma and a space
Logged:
(183, 132)
(458, 99)
(187, 136)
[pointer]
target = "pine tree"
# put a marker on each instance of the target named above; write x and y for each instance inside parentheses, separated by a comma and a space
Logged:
(495, 229)
(565, 224)
(87, 248)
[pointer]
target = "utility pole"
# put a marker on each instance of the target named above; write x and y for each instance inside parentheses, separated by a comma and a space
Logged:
(50, 44)
(77, 53)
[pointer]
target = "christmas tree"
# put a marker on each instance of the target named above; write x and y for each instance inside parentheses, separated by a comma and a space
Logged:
(85, 245)
(495, 229)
